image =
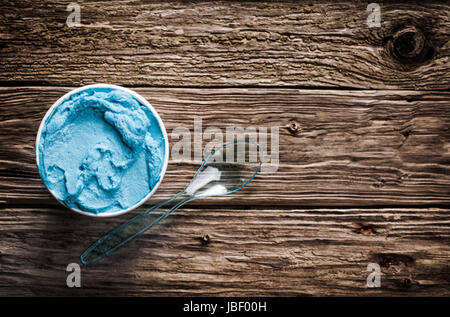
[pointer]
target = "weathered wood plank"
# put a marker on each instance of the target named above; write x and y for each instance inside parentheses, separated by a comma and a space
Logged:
(223, 43)
(340, 148)
(250, 252)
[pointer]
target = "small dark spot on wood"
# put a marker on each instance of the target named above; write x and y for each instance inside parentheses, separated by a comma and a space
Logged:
(365, 229)
(404, 283)
(380, 183)
(406, 133)
(205, 239)
(388, 259)
(294, 127)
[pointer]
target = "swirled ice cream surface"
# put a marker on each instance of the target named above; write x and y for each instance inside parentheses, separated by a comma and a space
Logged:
(101, 150)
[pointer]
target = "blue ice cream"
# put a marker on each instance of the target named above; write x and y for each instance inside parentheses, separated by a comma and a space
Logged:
(101, 150)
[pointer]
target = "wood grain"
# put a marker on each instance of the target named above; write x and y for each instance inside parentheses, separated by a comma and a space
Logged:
(250, 252)
(351, 148)
(364, 145)
(226, 43)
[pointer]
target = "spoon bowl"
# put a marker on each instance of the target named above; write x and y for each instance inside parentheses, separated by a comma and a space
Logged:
(225, 170)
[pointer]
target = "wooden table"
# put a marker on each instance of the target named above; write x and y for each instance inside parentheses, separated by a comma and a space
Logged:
(363, 116)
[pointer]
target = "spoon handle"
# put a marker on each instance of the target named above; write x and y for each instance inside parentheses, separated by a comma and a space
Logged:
(129, 231)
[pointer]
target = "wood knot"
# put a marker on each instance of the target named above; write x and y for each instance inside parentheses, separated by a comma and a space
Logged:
(365, 229)
(294, 127)
(205, 239)
(410, 46)
(404, 282)
(407, 282)
(409, 42)
(406, 133)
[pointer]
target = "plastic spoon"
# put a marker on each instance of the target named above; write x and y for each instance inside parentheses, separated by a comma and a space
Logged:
(225, 170)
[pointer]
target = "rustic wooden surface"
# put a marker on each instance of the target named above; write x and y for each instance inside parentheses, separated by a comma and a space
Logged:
(250, 252)
(364, 137)
(160, 43)
(355, 148)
